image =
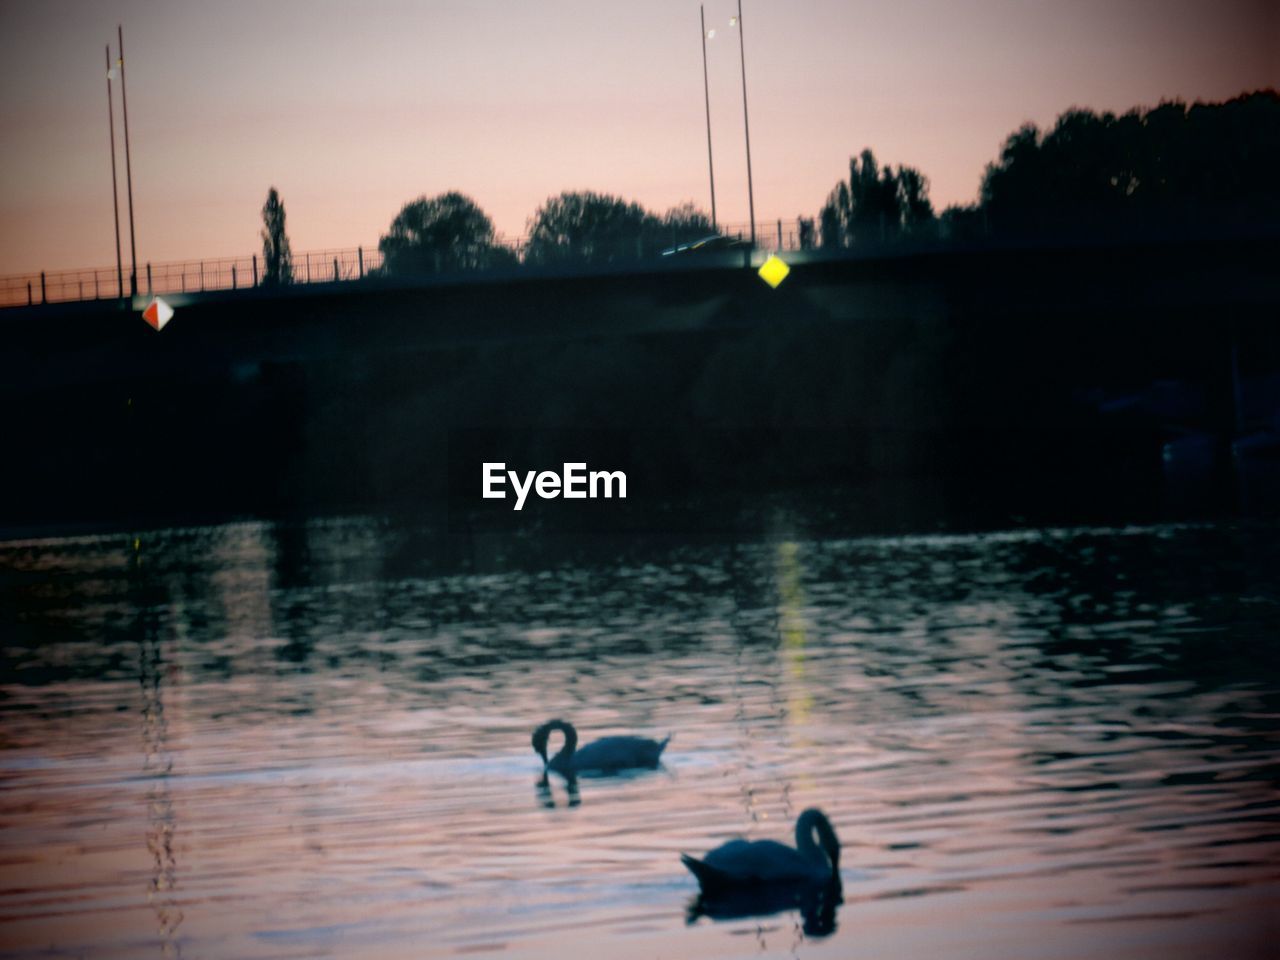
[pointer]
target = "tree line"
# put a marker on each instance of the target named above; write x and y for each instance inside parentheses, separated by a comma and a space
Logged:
(449, 233)
(1174, 170)
(1203, 168)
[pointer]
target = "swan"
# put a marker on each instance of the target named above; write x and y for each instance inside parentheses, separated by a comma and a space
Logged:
(608, 755)
(742, 864)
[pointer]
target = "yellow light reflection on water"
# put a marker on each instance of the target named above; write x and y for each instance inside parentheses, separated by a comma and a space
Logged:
(793, 630)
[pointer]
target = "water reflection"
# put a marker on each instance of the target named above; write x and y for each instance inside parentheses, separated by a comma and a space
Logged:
(1074, 731)
(546, 796)
(816, 905)
(157, 764)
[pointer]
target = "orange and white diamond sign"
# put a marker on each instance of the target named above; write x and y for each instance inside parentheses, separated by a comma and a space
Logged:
(158, 313)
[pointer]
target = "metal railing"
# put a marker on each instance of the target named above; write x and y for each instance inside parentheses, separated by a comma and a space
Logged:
(315, 266)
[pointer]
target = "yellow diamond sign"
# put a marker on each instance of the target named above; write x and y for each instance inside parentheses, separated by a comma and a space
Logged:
(773, 271)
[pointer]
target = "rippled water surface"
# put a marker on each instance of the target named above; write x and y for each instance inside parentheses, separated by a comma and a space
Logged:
(313, 741)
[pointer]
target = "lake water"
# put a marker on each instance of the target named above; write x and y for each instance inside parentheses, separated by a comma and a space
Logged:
(312, 740)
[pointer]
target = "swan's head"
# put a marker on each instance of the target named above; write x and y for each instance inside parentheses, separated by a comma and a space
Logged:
(816, 836)
(540, 738)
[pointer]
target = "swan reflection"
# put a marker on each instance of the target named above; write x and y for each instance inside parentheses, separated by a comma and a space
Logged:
(817, 904)
(547, 797)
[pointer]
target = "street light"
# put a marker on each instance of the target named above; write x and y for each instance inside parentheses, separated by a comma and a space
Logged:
(746, 126)
(115, 190)
(128, 171)
(706, 92)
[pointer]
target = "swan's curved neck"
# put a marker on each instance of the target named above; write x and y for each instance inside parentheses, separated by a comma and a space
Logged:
(565, 754)
(825, 848)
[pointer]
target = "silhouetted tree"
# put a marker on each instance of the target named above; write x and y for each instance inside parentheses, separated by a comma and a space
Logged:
(277, 260)
(1204, 167)
(831, 218)
(441, 234)
(914, 211)
(807, 233)
(1208, 167)
(684, 223)
(586, 227)
(962, 224)
(875, 206)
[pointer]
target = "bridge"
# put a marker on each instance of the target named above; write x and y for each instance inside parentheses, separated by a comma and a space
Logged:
(340, 265)
(1007, 378)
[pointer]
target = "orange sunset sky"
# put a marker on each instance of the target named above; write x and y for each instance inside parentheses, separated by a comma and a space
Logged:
(352, 109)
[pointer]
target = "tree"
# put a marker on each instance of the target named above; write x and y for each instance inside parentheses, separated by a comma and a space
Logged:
(962, 224)
(586, 227)
(1207, 167)
(807, 232)
(1204, 169)
(832, 218)
(876, 206)
(441, 234)
(684, 223)
(277, 259)
(915, 212)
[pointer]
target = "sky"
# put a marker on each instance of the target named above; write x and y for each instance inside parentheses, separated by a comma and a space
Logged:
(353, 109)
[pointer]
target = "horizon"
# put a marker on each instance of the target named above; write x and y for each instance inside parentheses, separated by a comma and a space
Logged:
(523, 104)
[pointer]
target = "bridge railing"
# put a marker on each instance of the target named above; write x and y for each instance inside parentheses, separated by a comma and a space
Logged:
(314, 266)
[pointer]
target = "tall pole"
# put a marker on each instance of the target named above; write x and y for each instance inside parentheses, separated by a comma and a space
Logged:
(128, 173)
(706, 91)
(751, 199)
(115, 191)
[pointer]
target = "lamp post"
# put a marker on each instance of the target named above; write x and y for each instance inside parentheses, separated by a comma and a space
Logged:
(128, 172)
(115, 192)
(742, 52)
(706, 92)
